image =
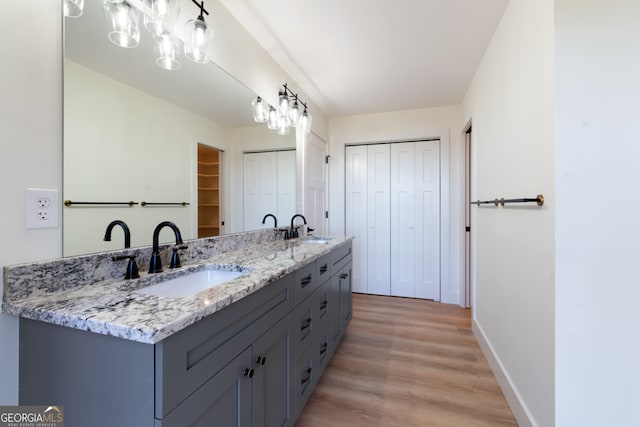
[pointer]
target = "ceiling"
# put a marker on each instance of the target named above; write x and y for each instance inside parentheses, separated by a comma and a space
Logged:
(363, 56)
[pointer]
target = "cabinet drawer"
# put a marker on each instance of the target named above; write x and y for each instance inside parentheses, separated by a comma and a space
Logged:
(304, 379)
(323, 268)
(305, 281)
(340, 257)
(304, 323)
(322, 348)
(187, 359)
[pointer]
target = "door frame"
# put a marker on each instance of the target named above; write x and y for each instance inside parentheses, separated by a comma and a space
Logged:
(449, 293)
(467, 218)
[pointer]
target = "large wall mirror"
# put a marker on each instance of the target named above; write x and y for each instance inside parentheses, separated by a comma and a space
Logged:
(132, 132)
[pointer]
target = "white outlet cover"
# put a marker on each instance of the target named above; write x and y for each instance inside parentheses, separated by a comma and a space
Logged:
(41, 210)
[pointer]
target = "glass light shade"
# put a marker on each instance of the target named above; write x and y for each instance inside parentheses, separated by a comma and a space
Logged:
(305, 121)
(272, 121)
(283, 103)
(122, 24)
(294, 114)
(283, 125)
(167, 52)
(164, 15)
(198, 38)
(260, 110)
(73, 8)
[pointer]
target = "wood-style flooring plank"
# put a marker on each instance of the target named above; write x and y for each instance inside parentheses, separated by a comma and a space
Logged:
(407, 362)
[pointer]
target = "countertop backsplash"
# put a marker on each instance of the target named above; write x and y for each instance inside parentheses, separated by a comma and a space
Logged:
(33, 279)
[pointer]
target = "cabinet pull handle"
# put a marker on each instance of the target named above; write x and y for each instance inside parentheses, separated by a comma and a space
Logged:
(323, 305)
(306, 281)
(344, 275)
(261, 360)
(307, 377)
(305, 325)
(324, 268)
(323, 349)
(248, 372)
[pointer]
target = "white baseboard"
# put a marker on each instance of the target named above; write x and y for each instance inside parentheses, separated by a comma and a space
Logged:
(519, 409)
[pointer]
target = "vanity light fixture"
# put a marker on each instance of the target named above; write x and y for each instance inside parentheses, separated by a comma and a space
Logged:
(305, 120)
(164, 14)
(167, 52)
(272, 121)
(197, 37)
(260, 110)
(283, 101)
(286, 116)
(122, 23)
(283, 124)
(294, 112)
(73, 8)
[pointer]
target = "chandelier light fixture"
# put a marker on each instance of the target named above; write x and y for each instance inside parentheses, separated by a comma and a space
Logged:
(122, 23)
(286, 116)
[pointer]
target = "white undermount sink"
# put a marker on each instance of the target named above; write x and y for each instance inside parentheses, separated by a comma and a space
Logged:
(191, 284)
(318, 240)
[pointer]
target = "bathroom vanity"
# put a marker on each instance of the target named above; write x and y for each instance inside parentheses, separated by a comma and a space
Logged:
(247, 352)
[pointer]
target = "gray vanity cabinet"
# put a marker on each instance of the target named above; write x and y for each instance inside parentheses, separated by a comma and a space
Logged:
(254, 363)
(254, 389)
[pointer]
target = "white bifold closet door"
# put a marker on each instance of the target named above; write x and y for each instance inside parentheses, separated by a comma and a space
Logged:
(269, 187)
(393, 210)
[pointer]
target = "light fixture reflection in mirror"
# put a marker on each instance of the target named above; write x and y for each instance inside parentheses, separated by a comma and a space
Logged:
(122, 24)
(73, 8)
(198, 37)
(163, 17)
(167, 52)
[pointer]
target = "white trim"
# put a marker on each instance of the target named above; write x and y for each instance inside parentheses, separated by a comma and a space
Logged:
(516, 403)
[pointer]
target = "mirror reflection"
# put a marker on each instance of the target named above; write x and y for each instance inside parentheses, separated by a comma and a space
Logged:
(182, 141)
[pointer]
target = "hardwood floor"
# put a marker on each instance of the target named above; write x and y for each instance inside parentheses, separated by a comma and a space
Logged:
(407, 362)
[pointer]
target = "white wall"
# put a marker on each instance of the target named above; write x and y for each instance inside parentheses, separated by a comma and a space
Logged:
(597, 176)
(124, 144)
(444, 123)
(511, 103)
(31, 141)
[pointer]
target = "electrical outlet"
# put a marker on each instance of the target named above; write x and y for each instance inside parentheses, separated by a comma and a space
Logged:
(41, 208)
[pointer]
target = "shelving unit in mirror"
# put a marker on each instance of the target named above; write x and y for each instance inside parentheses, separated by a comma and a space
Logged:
(209, 168)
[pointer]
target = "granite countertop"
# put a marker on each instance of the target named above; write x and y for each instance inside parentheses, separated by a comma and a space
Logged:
(112, 307)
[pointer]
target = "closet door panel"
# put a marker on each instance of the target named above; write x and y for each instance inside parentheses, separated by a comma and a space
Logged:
(378, 219)
(402, 220)
(251, 184)
(356, 212)
(427, 228)
(286, 177)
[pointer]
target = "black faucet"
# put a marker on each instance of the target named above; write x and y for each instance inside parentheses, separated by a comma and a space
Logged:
(275, 220)
(127, 234)
(155, 266)
(294, 233)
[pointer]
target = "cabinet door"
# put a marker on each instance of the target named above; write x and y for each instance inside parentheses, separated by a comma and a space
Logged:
(272, 382)
(346, 294)
(224, 400)
(334, 308)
